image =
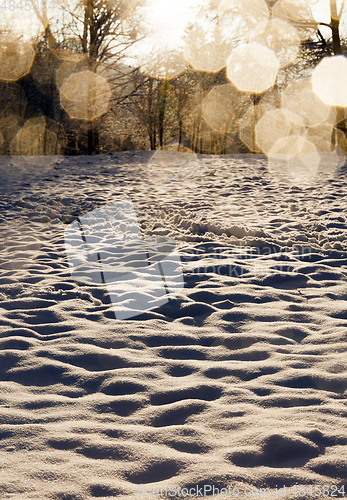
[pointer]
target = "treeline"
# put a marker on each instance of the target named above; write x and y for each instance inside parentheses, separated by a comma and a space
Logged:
(143, 112)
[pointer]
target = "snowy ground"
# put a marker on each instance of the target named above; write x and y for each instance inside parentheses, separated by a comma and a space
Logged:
(240, 382)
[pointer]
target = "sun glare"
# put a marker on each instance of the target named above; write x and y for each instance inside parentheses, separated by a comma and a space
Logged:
(166, 22)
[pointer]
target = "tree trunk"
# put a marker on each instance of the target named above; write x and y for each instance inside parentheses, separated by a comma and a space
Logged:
(151, 116)
(89, 29)
(335, 24)
(161, 117)
(152, 138)
(180, 124)
(93, 139)
(225, 145)
(162, 91)
(335, 28)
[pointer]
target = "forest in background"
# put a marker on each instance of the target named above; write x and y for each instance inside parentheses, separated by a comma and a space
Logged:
(143, 112)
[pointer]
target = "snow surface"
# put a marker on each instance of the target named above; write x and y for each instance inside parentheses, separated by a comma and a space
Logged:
(239, 382)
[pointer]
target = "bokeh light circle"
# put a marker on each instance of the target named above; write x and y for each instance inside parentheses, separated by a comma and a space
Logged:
(299, 14)
(300, 98)
(240, 17)
(37, 146)
(222, 106)
(252, 67)
(279, 36)
(330, 143)
(85, 95)
(247, 125)
(68, 67)
(329, 81)
(294, 160)
(16, 57)
(207, 51)
(275, 125)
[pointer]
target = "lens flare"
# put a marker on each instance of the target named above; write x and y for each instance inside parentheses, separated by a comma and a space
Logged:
(329, 81)
(240, 17)
(37, 146)
(300, 98)
(85, 95)
(279, 36)
(275, 125)
(252, 67)
(207, 51)
(20, 243)
(298, 13)
(247, 126)
(294, 160)
(16, 58)
(222, 106)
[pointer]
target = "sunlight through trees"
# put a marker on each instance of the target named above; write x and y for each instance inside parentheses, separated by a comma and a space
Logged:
(247, 76)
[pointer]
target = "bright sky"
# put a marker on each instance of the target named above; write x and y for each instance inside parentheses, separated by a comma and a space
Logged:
(168, 19)
(173, 15)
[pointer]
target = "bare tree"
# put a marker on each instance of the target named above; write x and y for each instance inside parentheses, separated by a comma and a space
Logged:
(144, 103)
(104, 32)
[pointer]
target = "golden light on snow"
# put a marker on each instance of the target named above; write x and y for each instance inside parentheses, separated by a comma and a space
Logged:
(85, 95)
(164, 65)
(329, 81)
(252, 67)
(247, 126)
(300, 98)
(294, 159)
(299, 14)
(222, 106)
(275, 125)
(279, 36)
(207, 51)
(16, 58)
